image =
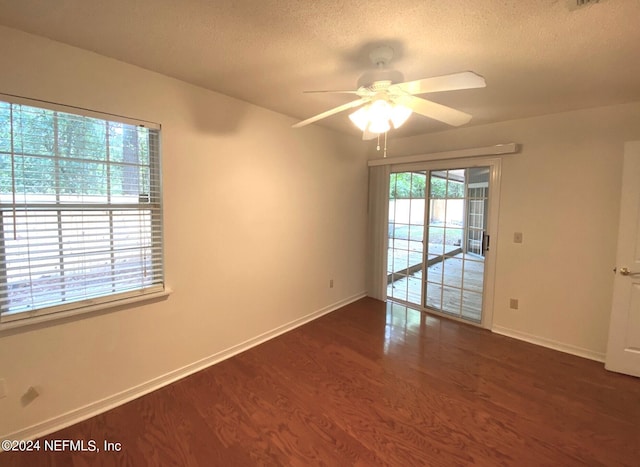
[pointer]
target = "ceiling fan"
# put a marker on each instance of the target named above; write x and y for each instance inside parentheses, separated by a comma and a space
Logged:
(386, 101)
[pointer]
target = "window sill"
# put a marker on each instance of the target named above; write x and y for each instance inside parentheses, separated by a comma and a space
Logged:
(83, 310)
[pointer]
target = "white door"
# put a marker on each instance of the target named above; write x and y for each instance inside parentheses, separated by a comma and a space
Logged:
(623, 349)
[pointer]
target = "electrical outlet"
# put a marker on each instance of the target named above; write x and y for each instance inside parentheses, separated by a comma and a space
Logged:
(517, 237)
(3, 389)
(331, 283)
(513, 303)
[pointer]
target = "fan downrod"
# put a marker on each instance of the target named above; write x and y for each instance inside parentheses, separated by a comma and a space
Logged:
(381, 56)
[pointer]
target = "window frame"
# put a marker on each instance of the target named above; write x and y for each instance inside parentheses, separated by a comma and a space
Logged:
(155, 291)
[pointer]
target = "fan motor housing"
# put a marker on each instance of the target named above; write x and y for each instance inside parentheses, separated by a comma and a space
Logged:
(368, 78)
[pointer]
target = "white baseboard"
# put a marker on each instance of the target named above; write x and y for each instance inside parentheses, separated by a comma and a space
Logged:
(549, 343)
(95, 408)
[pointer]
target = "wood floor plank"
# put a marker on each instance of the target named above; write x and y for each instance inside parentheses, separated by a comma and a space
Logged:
(375, 384)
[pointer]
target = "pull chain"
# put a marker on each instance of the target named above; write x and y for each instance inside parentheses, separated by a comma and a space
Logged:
(384, 154)
(385, 144)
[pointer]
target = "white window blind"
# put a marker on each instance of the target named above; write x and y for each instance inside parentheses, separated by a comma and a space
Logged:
(80, 210)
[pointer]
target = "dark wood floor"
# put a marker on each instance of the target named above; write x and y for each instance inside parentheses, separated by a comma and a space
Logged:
(375, 384)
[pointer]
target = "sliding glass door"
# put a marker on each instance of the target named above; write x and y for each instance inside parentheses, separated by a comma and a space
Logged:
(438, 239)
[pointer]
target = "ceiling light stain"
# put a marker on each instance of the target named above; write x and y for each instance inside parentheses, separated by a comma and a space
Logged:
(577, 4)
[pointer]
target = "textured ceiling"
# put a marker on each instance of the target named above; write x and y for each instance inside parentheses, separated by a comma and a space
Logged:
(537, 56)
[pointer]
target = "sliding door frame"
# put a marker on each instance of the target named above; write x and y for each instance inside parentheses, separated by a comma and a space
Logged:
(495, 170)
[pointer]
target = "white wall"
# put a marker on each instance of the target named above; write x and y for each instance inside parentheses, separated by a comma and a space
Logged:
(258, 218)
(562, 192)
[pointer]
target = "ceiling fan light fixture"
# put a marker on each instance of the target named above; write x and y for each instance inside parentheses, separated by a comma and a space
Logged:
(378, 116)
(379, 109)
(399, 115)
(360, 117)
(379, 126)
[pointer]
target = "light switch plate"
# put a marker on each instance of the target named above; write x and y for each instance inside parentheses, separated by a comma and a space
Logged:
(517, 237)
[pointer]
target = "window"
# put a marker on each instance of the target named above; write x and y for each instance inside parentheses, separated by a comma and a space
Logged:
(80, 209)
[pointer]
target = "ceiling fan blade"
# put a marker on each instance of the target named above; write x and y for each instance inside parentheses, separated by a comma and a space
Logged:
(333, 92)
(328, 113)
(433, 110)
(455, 81)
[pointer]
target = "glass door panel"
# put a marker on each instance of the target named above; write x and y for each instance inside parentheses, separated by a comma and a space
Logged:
(456, 218)
(406, 232)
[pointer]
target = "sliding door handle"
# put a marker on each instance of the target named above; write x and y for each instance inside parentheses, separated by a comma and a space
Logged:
(485, 242)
